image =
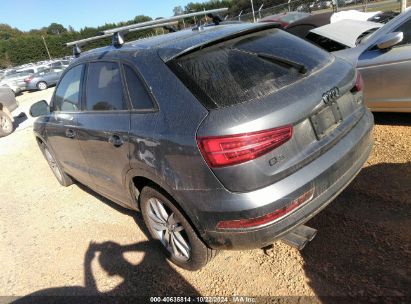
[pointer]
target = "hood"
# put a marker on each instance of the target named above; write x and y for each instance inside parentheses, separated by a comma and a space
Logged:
(345, 32)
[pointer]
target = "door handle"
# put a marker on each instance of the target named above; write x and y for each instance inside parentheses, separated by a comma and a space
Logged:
(70, 133)
(116, 140)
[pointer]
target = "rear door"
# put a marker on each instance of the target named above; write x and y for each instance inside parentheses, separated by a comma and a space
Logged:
(104, 128)
(386, 73)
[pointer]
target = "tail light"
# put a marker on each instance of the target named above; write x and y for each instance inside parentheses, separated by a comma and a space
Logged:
(220, 151)
(267, 218)
(359, 83)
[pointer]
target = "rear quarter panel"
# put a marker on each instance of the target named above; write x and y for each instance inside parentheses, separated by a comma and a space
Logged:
(163, 143)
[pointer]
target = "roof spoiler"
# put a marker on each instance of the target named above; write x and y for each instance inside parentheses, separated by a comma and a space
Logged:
(118, 33)
(257, 27)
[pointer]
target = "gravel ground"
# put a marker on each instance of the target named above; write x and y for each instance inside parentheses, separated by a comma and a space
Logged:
(62, 241)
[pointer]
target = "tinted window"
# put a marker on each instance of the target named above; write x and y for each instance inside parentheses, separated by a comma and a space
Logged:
(67, 97)
(232, 73)
(104, 89)
(406, 29)
(138, 93)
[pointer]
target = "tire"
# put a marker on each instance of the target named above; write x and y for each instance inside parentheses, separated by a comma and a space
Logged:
(179, 240)
(6, 124)
(42, 86)
(55, 167)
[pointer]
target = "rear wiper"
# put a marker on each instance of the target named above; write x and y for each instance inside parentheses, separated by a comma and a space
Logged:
(301, 68)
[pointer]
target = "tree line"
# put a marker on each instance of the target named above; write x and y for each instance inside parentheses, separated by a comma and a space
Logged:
(19, 47)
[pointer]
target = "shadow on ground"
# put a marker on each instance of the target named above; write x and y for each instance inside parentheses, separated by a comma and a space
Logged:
(393, 119)
(363, 244)
(19, 119)
(153, 276)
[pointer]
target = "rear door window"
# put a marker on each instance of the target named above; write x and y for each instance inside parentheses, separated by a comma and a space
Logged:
(232, 72)
(139, 96)
(104, 89)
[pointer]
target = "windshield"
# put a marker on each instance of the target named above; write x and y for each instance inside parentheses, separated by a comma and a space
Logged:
(247, 68)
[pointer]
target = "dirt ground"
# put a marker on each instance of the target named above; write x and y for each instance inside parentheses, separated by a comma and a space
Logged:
(73, 241)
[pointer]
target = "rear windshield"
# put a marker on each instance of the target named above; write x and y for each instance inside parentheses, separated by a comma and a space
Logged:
(231, 73)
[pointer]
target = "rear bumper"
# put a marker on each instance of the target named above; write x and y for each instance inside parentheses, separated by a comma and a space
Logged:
(329, 174)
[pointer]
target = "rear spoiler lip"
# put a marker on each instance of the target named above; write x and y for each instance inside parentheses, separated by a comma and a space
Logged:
(254, 29)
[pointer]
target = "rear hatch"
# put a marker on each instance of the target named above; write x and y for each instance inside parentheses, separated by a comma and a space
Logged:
(275, 103)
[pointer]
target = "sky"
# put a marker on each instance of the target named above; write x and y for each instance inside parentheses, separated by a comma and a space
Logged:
(30, 14)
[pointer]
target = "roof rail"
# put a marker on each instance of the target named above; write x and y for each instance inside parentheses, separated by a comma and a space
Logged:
(118, 33)
(117, 37)
(162, 20)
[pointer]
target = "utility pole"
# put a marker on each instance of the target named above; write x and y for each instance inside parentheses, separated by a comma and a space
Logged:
(252, 7)
(47, 49)
(403, 5)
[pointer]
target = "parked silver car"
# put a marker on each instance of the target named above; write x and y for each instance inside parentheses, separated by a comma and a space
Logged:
(382, 53)
(15, 81)
(42, 80)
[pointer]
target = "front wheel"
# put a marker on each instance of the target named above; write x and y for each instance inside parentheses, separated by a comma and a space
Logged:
(167, 224)
(6, 124)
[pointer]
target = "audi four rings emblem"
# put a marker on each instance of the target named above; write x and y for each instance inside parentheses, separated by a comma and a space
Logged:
(330, 96)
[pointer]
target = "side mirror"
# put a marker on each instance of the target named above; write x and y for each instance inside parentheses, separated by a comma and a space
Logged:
(39, 108)
(390, 40)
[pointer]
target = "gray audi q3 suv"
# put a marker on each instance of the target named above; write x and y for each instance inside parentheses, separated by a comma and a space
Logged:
(224, 137)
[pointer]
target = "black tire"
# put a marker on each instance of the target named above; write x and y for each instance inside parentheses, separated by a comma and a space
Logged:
(6, 124)
(199, 255)
(42, 85)
(55, 167)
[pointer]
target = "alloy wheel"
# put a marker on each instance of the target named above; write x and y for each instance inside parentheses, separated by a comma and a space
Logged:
(5, 124)
(53, 164)
(168, 229)
(42, 86)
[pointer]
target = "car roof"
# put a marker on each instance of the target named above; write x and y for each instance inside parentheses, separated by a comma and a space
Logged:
(175, 44)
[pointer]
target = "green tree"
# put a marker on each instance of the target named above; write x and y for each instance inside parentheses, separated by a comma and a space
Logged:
(56, 29)
(178, 10)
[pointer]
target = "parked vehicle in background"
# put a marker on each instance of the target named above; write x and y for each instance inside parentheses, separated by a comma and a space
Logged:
(302, 27)
(8, 104)
(32, 69)
(242, 139)
(381, 52)
(61, 64)
(15, 81)
(44, 79)
(285, 19)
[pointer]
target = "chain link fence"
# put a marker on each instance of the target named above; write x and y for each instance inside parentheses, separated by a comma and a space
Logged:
(319, 7)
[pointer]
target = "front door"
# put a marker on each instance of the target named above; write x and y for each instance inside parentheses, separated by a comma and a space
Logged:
(386, 74)
(62, 130)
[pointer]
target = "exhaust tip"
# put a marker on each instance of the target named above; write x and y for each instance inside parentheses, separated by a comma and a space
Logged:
(299, 237)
